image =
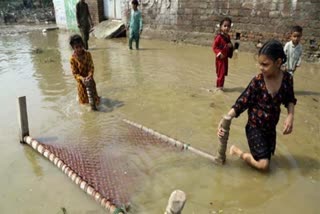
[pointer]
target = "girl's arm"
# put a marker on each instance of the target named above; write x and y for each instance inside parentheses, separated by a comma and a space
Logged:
(216, 47)
(91, 66)
(289, 103)
(242, 103)
(232, 113)
(288, 123)
(221, 131)
(75, 70)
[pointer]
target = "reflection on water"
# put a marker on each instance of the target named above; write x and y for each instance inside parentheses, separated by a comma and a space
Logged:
(165, 87)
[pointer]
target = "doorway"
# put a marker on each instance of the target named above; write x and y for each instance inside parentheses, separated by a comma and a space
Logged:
(112, 9)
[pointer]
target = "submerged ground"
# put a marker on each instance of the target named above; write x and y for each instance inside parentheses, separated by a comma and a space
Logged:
(163, 86)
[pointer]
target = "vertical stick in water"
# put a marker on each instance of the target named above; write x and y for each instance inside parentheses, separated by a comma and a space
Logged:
(23, 118)
(92, 102)
(223, 141)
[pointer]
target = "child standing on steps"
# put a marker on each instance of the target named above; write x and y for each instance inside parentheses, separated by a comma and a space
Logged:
(82, 70)
(223, 49)
(293, 50)
(135, 25)
(262, 98)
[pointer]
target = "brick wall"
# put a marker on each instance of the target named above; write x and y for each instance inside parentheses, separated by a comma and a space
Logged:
(195, 21)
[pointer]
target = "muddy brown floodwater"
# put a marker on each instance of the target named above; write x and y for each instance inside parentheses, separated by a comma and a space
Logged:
(162, 86)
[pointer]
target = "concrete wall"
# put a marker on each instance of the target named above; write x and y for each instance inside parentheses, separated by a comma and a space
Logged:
(65, 12)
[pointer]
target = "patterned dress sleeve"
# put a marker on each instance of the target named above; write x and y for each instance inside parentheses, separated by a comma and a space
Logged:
(245, 99)
(74, 69)
(289, 92)
(90, 65)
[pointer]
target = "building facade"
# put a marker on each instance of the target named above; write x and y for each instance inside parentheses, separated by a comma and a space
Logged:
(196, 21)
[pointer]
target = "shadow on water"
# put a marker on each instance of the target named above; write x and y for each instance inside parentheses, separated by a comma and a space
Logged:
(150, 49)
(307, 93)
(47, 139)
(302, 162)
(108, 105)
(33, 159)
(235, 89)
(102, 49)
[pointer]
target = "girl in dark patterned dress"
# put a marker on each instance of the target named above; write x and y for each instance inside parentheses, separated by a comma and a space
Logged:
(262, 98)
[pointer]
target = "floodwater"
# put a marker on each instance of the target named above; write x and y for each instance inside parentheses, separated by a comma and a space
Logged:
(163, 86)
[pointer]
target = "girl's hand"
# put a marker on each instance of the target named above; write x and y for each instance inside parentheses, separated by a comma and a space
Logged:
(88, 78)
(221, 56)
(220, 132)
(82, 79)
(230, 45)
(288, 124)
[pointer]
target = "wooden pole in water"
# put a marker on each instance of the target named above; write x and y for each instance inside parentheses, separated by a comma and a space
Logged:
(23, 118)
(176, 202)
(92, 102)
(223, 141)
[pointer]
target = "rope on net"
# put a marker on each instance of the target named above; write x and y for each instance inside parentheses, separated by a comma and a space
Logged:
(172, 141)
(104, 202)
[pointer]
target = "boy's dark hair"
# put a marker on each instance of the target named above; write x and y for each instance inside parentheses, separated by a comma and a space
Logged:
(296, 28)
(75, 39)
(225, 19)
(135, 2)
(274, 50)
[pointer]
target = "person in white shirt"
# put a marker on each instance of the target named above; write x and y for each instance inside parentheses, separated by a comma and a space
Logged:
(293, 50)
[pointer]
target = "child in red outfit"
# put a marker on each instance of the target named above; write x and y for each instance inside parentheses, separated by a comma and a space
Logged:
(223, 49)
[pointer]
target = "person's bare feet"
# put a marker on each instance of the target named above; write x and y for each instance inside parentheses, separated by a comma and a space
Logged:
(235, 151)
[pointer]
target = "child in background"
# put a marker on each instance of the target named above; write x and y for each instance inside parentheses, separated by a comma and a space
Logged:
(84, 21)
(223, 49)
(293, 50)
(82, 70)
(263, 97)
(135, 25)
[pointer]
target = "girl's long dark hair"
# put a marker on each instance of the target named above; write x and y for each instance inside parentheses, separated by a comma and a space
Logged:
(274, 50)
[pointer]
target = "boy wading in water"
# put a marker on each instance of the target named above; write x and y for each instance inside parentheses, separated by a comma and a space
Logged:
(293, 50)
(135, 25)
(262, 98)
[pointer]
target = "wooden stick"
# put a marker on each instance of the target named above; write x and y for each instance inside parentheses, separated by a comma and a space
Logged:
(176, 202)
(223, 141)
(92, 101)
(172, 141)
(23, 118)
